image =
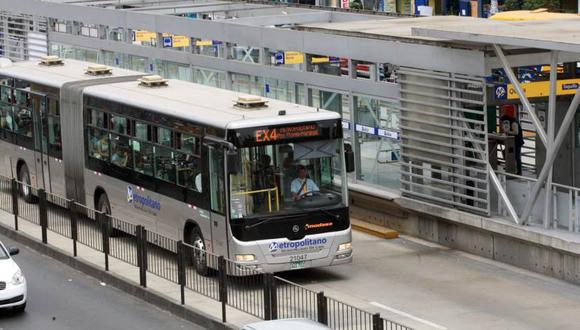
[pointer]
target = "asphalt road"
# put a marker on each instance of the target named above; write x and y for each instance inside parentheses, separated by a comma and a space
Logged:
(428, 286)
(63, 298)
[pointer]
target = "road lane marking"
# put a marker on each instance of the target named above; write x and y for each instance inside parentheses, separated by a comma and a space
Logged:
(407, 315)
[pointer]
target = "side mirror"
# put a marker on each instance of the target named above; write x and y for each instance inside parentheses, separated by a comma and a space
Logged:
(349, 158)
(233, 162)
(13, 251)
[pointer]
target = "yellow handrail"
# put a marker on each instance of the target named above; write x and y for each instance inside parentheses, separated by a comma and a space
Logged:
(268, 190)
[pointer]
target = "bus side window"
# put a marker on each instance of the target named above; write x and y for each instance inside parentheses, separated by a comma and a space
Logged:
(188, 143)
(142, 131)
(143, 154)
(121, 154)
(98, 144)
(119, 125)
(216, 180)
(164, 136)
(54, 132)
(98, 119)
(5, 92)
(24, 122)
(164, 164)
(188, 171)
(6, 121)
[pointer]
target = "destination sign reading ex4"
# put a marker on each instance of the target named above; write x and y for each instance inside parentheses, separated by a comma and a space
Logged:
(286, 133)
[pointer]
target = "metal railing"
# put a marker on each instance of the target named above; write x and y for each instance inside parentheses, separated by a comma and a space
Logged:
(233, 284)
(565, 210)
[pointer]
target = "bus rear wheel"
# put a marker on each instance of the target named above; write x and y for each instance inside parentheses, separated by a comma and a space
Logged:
(25, 188)
(199, 253)
(104, 206)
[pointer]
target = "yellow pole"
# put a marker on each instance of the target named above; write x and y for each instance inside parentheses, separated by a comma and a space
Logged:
(269, 201)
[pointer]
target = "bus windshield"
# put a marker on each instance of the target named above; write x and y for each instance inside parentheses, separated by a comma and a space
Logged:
(286, 178)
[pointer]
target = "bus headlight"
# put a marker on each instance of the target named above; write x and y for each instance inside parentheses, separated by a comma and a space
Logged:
(344, 247)
(245, 257)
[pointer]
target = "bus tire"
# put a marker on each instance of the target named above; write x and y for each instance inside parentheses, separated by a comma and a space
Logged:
(199, 256)
(104, 206)
(25, 188)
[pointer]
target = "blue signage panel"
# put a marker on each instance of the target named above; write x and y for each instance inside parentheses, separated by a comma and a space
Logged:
(500, 92)
(167, 42)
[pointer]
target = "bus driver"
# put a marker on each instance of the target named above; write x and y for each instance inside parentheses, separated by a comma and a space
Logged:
(302, 186)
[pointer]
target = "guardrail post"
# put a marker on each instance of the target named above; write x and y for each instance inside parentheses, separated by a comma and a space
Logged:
(223, 290)
(181, 269)
(377, 322)
(74, 230)
(270, 304)
(106, 234)
(43, 214)
(273, 297)
(267, 304)
(322, 308)
(141, 237)
(14, 186)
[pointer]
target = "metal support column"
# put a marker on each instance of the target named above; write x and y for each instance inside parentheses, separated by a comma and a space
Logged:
(551, 156)
(551, 128)
(521, 94)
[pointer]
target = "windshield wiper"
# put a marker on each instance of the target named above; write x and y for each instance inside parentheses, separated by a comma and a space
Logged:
(274, 218)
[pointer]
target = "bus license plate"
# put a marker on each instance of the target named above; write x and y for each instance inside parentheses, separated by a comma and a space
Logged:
(297, 264)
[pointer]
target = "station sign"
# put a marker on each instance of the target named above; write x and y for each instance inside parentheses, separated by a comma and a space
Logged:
(175, 41)
(292, 57)
(537, 89)
(143, 36)
(289, 57)
(377, 131)
(324, 59)
(200, 43)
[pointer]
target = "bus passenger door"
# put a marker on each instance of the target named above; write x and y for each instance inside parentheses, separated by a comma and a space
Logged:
(217, 194)
(41, 158)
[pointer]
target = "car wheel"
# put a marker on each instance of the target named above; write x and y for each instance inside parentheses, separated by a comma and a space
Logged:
(199, 253)
(25, 188)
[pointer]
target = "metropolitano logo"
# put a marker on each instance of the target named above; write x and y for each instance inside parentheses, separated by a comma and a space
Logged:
(273, 247)
(129, 194)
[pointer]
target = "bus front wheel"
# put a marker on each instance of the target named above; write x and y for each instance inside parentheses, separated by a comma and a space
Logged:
(199, 254)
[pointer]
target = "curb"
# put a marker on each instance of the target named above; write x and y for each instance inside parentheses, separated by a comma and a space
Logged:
(148, 295)
(371, 229)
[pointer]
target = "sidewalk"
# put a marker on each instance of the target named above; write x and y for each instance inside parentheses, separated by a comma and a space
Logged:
(159, 291)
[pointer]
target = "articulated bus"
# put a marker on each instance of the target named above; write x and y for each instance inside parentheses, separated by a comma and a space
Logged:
(260, 181)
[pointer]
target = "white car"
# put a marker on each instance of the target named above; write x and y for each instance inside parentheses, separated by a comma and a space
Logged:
(286, 324)
(12, 281)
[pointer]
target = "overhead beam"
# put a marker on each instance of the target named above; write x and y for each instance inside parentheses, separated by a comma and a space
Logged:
(299, 18)
(198, 8)
(344, 84)
(498, 38)
(529, 59)
(525, 102)
(412, 54)
(551, 156)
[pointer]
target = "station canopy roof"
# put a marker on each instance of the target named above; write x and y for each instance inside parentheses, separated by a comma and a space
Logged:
(552, 34)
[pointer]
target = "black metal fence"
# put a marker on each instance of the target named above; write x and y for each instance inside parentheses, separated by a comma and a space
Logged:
(233, 284)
